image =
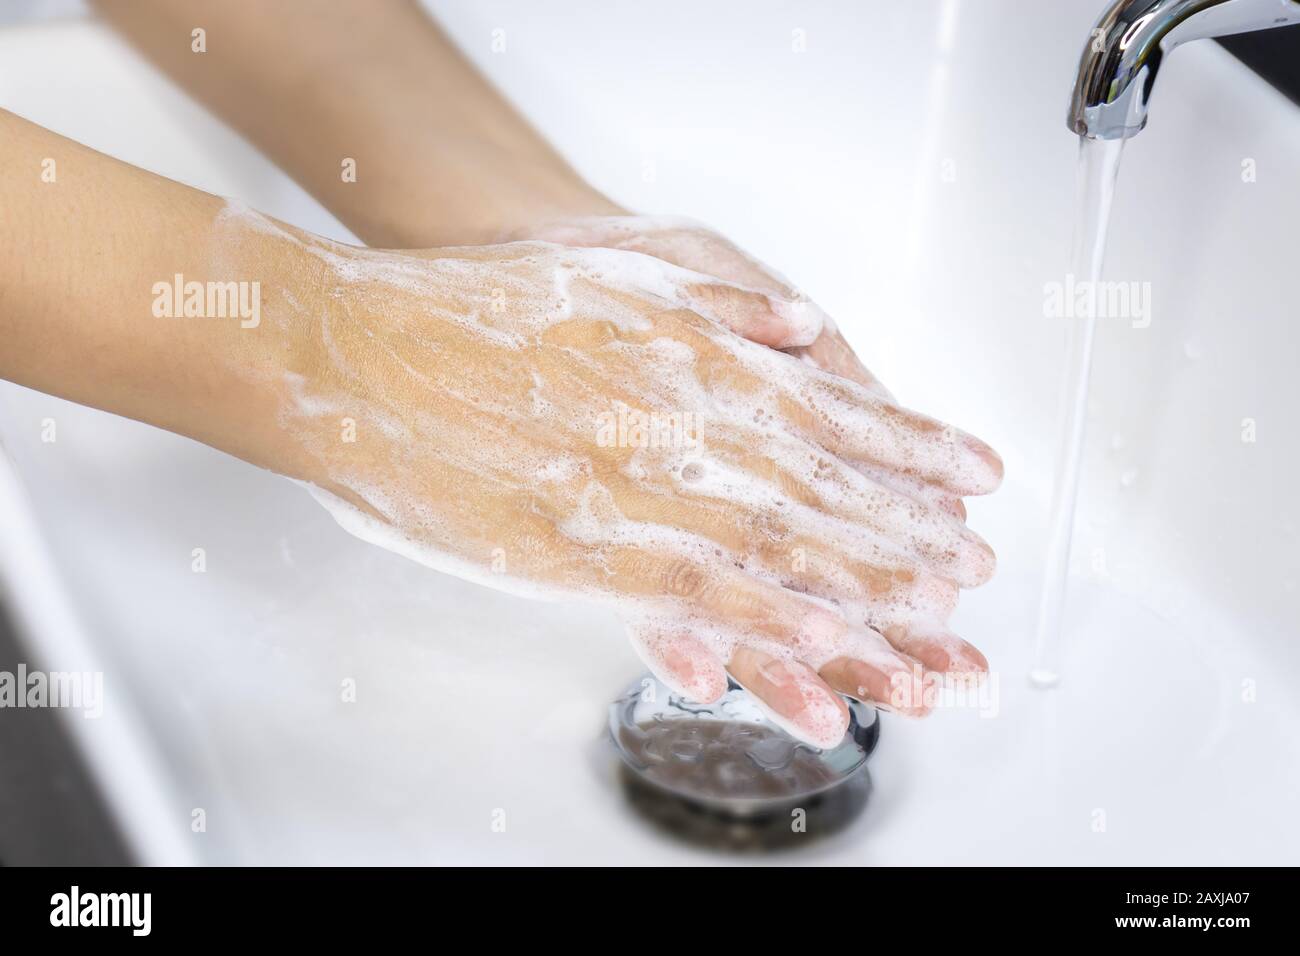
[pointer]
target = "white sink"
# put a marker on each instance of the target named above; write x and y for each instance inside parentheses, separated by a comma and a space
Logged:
(878, 169)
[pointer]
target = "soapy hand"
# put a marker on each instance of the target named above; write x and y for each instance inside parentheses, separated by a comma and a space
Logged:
(692, 245)
(587, 421)
(688, 243)
(502, 411)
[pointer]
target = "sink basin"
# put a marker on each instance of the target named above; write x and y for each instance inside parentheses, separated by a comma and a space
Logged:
(864, 162)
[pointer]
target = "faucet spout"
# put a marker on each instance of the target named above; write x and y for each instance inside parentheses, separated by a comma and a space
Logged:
(1117, 71)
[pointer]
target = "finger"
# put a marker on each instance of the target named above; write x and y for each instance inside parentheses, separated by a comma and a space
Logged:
(863, 494)
(839, 402)
(909, 562)
(771, 622)
(716, 278)
(901, 601)
(679, 660)
(797, 699)
(843, 506)
(871, 685)
(830, 510)
(937, 648)
(752, 625)
(848, 421)
(870, 669)
(761, 318)
(930, 494)
(758, 305)
(832, 353)
(693, 246)
(730, 606)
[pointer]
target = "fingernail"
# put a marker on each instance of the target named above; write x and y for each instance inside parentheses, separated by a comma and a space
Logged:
(776, 673)
(977, 561)
(990, 458)
(802, 320)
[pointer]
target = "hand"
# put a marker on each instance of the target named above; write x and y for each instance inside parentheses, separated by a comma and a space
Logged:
(692, 245)
(444, 160)
(588, 422)
(676, 657)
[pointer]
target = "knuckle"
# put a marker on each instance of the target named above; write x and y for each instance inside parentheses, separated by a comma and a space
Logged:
(682, 578)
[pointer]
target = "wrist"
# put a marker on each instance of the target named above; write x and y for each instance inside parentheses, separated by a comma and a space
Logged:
(416, 187)
(260, 354)
(488, 201)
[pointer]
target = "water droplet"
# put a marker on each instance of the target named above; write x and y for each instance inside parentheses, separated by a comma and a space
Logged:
(1043, 679)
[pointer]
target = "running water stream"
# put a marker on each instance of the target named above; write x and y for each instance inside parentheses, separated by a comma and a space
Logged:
(1098, 168)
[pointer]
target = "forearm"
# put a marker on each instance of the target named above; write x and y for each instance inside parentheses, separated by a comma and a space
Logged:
(84, 256)
(440, 157)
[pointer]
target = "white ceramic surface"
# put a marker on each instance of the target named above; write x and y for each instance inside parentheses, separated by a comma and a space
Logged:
(912, 171)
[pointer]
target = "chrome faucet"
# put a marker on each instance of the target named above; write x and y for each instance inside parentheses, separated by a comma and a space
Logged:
(1112, 92)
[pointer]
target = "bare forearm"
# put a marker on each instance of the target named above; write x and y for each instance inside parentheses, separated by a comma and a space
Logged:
(86, 247)
(440, 157)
